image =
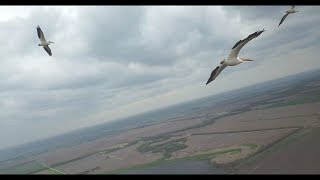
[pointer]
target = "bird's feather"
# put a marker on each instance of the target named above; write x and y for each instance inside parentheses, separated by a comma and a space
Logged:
(283, 18)
(40, 34)
(237, 47)
(216, 72)
(48, 50)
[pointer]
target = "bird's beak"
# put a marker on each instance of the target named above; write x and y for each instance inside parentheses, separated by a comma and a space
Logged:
(246, 59)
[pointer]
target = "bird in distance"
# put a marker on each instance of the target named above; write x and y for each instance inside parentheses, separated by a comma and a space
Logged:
(290, 11)
(43, 41)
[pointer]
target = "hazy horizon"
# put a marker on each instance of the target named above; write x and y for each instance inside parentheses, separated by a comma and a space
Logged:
(113, 62)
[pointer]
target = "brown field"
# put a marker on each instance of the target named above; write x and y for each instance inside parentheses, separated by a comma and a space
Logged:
(298, 157)
(289, 116)
(127, 157)
(200, 143)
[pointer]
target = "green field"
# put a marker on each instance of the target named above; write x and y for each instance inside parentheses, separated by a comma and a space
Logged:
(209, 155)
(167, 148)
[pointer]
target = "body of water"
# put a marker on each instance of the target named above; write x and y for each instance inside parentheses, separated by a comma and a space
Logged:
(179, 167)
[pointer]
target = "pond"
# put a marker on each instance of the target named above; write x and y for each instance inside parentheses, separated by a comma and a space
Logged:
(179, 167)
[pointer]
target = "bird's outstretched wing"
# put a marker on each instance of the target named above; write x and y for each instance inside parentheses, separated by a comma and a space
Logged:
(283, 18)
(40, 34)
(237, 47)
(216, 72)
(48, 50)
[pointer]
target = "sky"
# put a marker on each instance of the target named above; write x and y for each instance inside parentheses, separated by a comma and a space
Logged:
(111, 62)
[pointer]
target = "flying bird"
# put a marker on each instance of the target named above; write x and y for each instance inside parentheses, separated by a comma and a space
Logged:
(290, 11)
(233, 58)
(43, 41)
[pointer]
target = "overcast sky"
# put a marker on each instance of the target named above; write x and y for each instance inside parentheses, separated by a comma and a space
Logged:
(112, 62)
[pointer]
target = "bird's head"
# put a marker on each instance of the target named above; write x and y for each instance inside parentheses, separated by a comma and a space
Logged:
(39, 45)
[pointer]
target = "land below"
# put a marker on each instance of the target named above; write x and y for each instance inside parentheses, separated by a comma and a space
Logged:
(270, 128)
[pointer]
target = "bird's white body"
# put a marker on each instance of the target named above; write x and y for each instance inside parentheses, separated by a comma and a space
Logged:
(233, 61)
(45, 43)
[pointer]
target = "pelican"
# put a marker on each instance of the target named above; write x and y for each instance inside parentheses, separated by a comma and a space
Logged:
(43, 41)
(290, 11)
(233, 58)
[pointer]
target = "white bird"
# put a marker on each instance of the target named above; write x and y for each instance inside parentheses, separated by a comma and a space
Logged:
(43, 41)
(290, 11)
(233, 58)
